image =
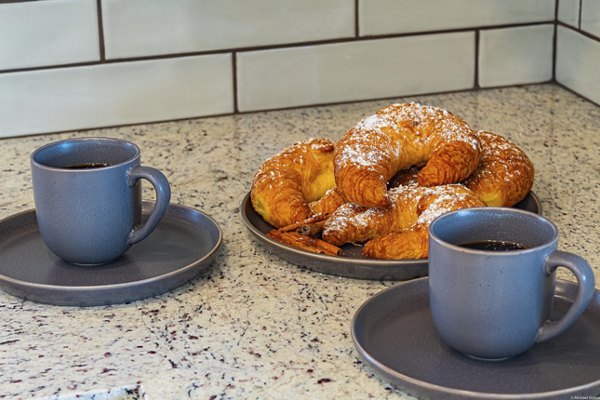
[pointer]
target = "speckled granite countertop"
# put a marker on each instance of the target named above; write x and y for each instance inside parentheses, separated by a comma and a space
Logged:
(256, 327)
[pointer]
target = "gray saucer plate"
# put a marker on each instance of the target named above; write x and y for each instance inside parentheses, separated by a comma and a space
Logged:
(183, 245)
(352, 264)
(394, 334)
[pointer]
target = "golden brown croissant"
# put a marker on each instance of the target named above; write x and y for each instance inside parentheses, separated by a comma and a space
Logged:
(504, 175)
(411, 243)
(327, 204)
(398, 137)
(286, 183)
(413, 207)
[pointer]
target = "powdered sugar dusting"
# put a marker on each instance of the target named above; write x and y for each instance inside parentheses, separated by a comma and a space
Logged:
(343, 216)
(411, 205)
(397, 123)
(504, 174)
(372, 122)
(446, 203)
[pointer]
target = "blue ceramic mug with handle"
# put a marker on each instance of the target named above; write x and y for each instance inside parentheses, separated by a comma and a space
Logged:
(87, 194)
(492, 277)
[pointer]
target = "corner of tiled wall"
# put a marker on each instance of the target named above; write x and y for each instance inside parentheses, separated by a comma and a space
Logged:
(578, 47)
(74, 64)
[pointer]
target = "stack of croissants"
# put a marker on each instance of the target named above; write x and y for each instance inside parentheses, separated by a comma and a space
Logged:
(385, 180)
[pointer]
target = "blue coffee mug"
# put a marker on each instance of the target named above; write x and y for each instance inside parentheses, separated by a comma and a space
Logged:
(87, 195)
(492, 304)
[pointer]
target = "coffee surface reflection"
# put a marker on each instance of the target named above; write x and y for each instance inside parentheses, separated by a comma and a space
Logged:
(493, 245)
(87, 166)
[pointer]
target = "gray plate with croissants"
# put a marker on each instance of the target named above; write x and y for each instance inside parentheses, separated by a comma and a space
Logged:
(360, 207)
(351, 263)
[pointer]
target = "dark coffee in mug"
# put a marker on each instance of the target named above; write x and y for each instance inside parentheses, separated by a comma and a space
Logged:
(87, 166)
(493, 245)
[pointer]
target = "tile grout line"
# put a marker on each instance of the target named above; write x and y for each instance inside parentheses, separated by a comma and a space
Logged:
(234, 82)
(100, 31)
(555, 41)
(476, 77)
(554, 52)
(356, 21)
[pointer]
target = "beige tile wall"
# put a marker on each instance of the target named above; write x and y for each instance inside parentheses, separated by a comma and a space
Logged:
(34, 34)
(137, 28)
(568, 12)
(56, 99)
(509, 56)
(379, 17)
(365, 69)
(578, 47)
(73, 64)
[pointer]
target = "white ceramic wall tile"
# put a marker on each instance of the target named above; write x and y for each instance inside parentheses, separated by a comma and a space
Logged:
(399, 16)
(577, 61)
(512, 56)
(147, 27)
(355, 71)
(590, 16)
(568, 12)
(53, 100)
(40, 33)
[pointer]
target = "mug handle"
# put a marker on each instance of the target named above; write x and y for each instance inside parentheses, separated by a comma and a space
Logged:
(163, 198)
(585, 292)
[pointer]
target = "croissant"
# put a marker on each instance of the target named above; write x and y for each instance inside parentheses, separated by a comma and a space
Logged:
(503, 176)
(411, 243)
(398, 137)
(288, 182)
(412, 209)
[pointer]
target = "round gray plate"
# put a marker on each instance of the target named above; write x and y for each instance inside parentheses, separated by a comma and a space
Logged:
(352, 263)
(394, 334)
(184, 244)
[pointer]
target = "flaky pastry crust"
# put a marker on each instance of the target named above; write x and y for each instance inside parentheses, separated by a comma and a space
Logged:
(288, 182)
(411, 243)
(504, 175)
(397, 137)
(412, 209)
(327, 204)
